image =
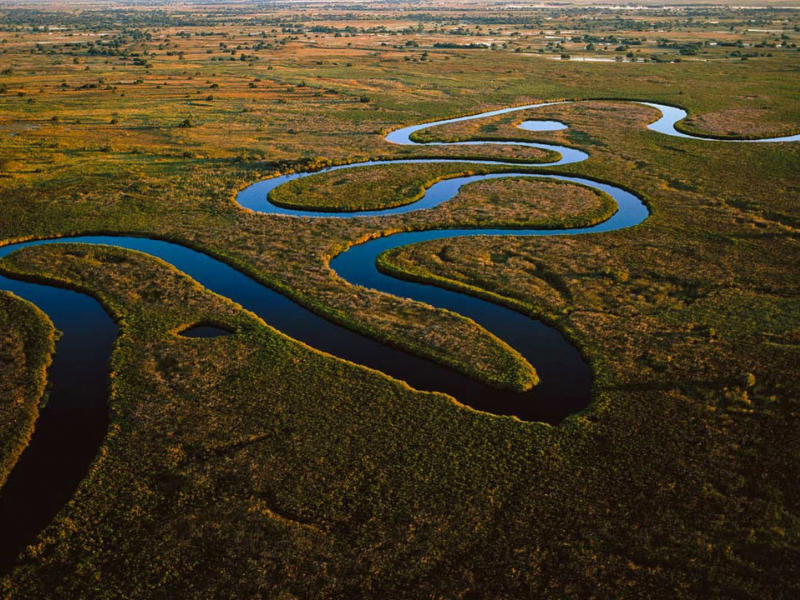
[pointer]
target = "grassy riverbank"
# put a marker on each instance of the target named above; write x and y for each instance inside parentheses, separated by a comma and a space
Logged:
(27, 342)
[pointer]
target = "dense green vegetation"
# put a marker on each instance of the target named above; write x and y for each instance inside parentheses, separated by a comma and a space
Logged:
(27, 341)
(252, 465)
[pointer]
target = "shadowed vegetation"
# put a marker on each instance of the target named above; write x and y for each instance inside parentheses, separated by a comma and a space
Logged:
(27, 341)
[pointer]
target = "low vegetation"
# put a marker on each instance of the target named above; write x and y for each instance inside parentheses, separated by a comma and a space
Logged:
(512, 202)
(691, 324)
(27, 342)
(254, 446)
(250, 465)
(518, 202)
(370, 188)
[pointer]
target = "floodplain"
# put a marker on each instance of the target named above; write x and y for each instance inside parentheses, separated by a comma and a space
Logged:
(238, 453)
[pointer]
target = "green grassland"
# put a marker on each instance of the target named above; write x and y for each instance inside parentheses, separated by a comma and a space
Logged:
(27, 341)
(252, 465)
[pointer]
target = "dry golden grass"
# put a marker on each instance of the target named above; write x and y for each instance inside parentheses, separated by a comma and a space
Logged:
(747, 122)
(529, 202)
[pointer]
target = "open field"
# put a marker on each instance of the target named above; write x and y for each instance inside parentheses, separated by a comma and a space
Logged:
(251, 465)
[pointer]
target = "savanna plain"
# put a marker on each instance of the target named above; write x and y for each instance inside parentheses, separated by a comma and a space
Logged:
(252, 465)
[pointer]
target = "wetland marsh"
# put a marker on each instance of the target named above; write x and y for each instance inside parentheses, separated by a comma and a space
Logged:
(578, 318)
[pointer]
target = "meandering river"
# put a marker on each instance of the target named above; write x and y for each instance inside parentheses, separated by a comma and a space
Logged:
(72, 425)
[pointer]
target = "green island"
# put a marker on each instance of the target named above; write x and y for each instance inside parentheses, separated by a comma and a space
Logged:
(257, 463)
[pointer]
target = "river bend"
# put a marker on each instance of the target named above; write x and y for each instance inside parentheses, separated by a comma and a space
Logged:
(72, 425)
